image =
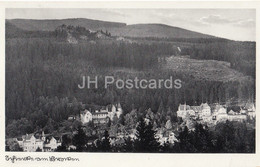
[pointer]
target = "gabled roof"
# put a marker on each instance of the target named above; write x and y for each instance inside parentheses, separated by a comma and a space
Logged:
(218, 106)
(182, 107)
(196, 108)
(249, 105)
(29, 136)
(231, 112)
(204, 106)
(118, 105)
(84, 111)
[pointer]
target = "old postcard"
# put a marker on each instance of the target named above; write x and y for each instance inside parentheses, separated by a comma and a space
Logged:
(129, 83)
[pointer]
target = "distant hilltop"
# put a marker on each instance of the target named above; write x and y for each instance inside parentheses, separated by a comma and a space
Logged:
(156, 30)
(115, 28)
(51, 25)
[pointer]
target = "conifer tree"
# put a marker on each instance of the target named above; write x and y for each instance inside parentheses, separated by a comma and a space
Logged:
(105, 144)
(185, 142)
(80, 139)
(145, 138)
(202, 139)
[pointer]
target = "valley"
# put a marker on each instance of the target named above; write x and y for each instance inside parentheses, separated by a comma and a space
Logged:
(49, 58)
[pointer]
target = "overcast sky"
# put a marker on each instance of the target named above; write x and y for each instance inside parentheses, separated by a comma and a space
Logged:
(236, 24)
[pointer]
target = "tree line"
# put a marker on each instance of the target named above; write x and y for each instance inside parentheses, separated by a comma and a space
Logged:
(228, 137)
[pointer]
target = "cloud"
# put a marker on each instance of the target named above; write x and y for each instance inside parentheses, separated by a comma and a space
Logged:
(245, 23)
(217, 19)
(214, 19)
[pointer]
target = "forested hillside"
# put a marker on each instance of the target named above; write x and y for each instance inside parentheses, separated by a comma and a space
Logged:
(42, 77)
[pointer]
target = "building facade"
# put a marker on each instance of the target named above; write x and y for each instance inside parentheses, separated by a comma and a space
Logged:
(33, 143)
(102, 115)
(204, 114)
(85, 116)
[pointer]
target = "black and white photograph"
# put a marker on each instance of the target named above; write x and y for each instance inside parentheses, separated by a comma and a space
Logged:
(130, 80)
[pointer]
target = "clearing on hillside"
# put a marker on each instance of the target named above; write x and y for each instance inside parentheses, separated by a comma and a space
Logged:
(211, 70)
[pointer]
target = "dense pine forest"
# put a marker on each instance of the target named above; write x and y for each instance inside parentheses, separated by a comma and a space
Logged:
(42, 77)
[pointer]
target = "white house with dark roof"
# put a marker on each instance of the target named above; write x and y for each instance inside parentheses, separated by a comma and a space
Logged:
(32, 142)
(102, 115)
(52, 143)
(220, 113)
(85, 116)
(203, 111)
(182, 111)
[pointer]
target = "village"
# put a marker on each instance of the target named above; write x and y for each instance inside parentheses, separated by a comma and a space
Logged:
(211, 116)
(205, 114)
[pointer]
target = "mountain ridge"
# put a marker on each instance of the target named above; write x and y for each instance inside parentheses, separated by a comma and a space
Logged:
(52, 24)
(116, 28)
(161, 31)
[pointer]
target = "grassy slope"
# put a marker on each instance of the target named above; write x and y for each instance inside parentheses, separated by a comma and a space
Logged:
(205, 69)
(156, 30)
